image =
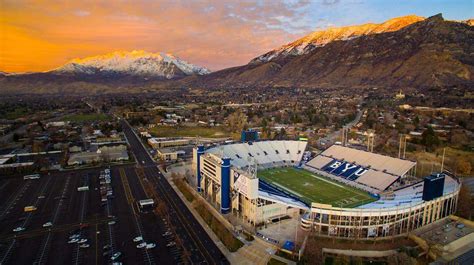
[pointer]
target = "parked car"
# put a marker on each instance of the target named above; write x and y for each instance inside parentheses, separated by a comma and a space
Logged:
(150, 245)
(141, 245)
(74, 240)
(116, 255)
(48, 224)
(138, 239)
(84, 245)
(171, 244)
(19, 229)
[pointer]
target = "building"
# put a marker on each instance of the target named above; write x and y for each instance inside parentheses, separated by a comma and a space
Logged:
(169, 154)
(226, 176)
(102, 154)
(400, 95)
(387, 202)
(157, 143)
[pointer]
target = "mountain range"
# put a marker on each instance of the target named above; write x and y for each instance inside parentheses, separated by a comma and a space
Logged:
(425, 53)
(135, 63)
(409, 51)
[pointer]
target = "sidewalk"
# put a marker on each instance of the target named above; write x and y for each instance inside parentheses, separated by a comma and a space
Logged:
(255, 252)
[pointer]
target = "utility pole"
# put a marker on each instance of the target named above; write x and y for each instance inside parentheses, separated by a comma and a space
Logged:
(404, 145)
(400, 146)
(442, 160)
(370, 140)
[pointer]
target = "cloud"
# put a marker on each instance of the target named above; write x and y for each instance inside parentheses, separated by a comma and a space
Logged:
(330, 2)
(215, 34)
(82, 13)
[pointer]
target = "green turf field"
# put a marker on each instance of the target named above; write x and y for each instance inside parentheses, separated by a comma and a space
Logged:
(313, 188)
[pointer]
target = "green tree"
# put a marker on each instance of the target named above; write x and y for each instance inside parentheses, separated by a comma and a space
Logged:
(16, 137)
(429, 139)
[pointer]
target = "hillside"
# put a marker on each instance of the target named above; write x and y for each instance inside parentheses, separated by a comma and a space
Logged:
(428, 53)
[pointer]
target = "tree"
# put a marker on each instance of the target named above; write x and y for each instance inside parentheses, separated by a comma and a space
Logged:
(16, 137)
(459, 138)
(416, 121)
(237, 121)
(465, 203)
(429, 138)
(463, 166)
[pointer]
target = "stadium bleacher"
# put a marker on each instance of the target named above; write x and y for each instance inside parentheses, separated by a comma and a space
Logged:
(369, 169)
(266, 154)
(409, 195)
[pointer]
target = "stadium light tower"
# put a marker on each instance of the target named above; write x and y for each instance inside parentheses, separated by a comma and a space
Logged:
(370, 140)
(402, 145)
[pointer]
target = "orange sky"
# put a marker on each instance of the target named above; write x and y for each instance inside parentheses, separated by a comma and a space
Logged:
(42, 35)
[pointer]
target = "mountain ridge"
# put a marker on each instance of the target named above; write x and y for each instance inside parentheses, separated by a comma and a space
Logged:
(428, 53)
(135, 63)
(320, 38)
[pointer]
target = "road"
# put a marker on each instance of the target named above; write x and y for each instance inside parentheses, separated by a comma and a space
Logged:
(196, 240)
(330, 138)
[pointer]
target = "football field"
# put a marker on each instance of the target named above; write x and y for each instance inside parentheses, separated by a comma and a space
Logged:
(314, 188)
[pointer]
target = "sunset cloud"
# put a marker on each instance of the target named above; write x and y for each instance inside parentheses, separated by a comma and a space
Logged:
(39, 36)
(42, 35)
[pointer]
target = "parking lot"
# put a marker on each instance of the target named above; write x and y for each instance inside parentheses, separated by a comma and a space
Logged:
(97, 225)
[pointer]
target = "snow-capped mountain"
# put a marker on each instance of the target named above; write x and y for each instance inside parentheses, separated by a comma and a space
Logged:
(321, 38)
(135, 63)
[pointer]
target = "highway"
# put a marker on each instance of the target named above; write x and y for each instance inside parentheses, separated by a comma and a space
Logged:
(195, 239)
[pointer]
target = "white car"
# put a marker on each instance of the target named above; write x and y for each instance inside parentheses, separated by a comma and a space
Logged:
(168, 233)
(72, 241)
(111, 222)
(19, 229)
(141, 245)
(48, 224)
(75, 236)
(138, 239)
(82, 241)
(171, 244)
(116, 255)
(150, 245)
(84, 245)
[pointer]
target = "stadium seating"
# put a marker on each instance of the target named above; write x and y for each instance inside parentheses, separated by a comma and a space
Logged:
(368, 169)
(408, 195)
(266, 154)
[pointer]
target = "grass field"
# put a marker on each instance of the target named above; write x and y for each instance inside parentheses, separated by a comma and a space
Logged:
(87, 117)
(313, 188)
(187, 131)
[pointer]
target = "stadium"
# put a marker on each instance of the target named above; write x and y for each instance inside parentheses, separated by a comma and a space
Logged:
(340, 192)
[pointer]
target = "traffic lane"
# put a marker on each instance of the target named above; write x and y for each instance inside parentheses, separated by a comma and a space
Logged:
(208, 242)
(188, 243)
(215, 254)
(124, 229)
(209, 246)
(151, 224)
